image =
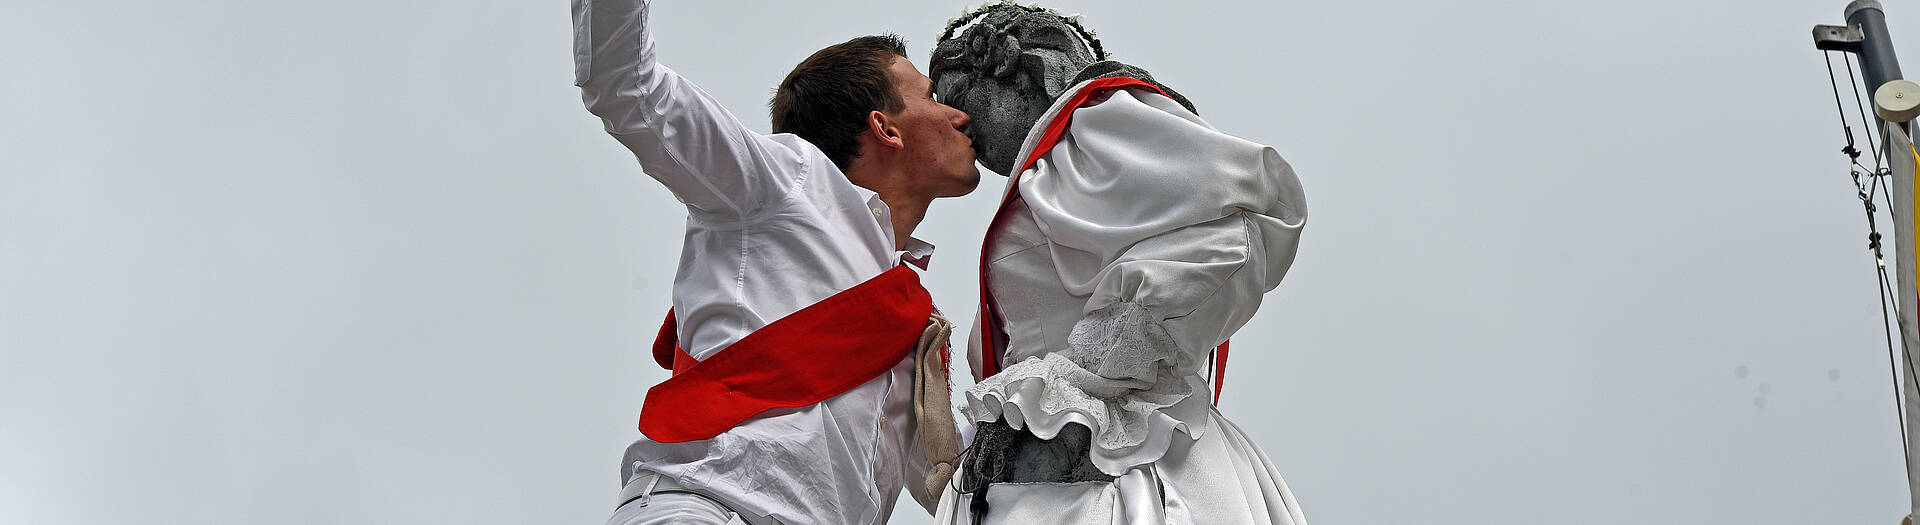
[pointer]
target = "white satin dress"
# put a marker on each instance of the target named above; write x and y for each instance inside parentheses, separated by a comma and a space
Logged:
(1132, 248)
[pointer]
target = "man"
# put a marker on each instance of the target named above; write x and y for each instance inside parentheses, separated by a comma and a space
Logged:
(1133, 240)
(794, 322)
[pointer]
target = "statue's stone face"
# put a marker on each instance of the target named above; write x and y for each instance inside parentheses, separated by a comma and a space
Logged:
(1004, 72)
(1002, 111)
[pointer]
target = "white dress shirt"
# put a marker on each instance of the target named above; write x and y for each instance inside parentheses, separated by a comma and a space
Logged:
(772, 227)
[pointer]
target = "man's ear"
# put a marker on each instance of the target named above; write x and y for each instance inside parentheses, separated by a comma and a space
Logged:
(883, 130)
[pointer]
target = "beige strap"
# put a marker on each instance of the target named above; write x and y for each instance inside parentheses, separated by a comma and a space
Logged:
(932, 409)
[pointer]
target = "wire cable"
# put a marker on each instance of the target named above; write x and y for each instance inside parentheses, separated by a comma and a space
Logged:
(1875, 188)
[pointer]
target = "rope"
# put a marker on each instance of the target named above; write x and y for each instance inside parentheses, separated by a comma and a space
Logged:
(1886, 288)
(1868, 192)
(1862, 107)
(1899, 410)
(1849, 150)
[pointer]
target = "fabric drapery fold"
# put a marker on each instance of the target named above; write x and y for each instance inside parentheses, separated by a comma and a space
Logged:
(1131, 247)
(1133, 421)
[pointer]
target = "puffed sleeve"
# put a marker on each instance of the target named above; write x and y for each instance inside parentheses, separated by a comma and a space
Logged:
(1172, 229)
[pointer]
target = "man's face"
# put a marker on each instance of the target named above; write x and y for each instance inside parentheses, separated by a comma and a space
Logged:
(940, 152)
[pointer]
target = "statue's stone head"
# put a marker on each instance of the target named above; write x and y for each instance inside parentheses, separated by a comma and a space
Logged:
(1005, 69)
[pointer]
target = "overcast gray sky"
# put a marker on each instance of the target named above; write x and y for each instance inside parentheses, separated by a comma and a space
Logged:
(371, 262)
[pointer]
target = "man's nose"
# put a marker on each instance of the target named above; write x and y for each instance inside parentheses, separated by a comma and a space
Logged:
(960, 119)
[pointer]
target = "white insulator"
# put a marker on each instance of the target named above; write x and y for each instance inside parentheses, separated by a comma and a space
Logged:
(1897, 101)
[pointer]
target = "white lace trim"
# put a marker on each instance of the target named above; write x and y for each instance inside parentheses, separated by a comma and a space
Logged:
(1133, 421)
(1126, 341)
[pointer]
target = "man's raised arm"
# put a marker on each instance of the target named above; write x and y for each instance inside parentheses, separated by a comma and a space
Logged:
(681, 135)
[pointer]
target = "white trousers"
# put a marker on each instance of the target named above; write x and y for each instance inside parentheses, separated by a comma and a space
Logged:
(656, 505)
(676, 508)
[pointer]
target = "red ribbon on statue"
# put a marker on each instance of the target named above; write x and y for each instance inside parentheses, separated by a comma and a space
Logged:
(993, 339)
(819, 352)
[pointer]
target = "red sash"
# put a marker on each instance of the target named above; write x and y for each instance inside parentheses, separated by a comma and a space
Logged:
(804, 358)
(994, 341)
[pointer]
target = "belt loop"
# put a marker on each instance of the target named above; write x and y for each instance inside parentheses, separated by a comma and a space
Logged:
(646, 494)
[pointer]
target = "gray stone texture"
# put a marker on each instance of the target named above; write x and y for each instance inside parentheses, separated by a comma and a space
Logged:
(1007, 67)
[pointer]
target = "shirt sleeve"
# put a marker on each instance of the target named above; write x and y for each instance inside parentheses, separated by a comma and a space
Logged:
(680, 134)
(1172, 229)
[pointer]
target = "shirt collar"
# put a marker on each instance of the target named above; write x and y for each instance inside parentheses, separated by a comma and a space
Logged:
(918, 253)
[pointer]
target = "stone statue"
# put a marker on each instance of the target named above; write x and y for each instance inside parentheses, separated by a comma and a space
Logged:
(1124, 255)
(1010, 64)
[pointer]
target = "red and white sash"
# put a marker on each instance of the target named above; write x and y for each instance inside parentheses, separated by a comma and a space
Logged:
(819, 352)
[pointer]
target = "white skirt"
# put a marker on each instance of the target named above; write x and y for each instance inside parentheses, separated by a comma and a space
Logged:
(1220, 479)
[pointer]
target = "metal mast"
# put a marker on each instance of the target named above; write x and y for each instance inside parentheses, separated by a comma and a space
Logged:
(1896, 102)
(1864, 35)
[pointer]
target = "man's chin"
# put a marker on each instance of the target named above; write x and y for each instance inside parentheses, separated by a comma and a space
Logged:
(973, 183)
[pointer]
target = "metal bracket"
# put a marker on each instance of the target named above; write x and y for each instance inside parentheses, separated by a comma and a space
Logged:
(1838, 38)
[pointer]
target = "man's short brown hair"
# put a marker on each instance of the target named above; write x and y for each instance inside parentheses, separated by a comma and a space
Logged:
(826, 98)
